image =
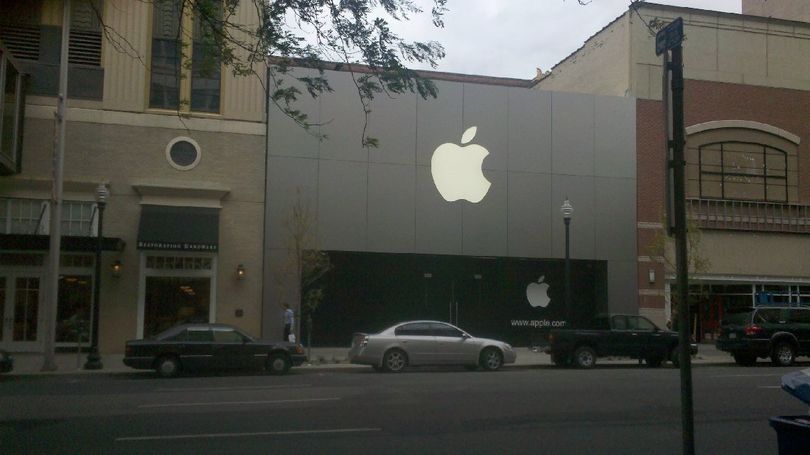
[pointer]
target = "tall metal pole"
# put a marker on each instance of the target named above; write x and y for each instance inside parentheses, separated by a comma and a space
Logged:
(568, 272)
(94, 358)
(567, 210)
(681, 258)
(52, 284)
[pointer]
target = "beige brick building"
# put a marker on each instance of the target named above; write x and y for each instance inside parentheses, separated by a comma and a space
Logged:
(180, 152)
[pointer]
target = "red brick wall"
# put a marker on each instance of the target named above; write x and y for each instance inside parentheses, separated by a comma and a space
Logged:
(706, 101)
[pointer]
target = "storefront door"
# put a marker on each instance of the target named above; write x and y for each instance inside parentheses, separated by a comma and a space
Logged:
(19, 306)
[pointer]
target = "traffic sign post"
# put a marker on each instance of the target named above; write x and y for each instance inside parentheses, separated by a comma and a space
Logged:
(667, 41)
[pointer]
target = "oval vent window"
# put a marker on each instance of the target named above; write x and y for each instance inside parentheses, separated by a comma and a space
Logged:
(183, 153)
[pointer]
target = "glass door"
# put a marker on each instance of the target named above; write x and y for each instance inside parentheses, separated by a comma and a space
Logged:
(19, 300)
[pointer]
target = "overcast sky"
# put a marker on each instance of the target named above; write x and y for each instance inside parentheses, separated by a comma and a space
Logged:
(513, 37)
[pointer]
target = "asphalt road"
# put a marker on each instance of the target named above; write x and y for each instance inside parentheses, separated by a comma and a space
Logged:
(610, 409)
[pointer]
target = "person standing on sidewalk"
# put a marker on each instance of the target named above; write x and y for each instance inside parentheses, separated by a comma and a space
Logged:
(289, 318)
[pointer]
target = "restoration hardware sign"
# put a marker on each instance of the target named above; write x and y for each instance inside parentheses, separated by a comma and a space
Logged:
(175, 246)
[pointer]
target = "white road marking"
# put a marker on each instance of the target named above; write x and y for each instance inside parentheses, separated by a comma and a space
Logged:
(214, 389)
(747, 375)
(221, 403)
(242, 435)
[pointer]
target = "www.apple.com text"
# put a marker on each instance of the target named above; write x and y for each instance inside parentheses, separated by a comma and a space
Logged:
(537, 324)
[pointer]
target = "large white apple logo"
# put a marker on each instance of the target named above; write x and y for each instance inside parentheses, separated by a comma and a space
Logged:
(537, 293)
(457, 170)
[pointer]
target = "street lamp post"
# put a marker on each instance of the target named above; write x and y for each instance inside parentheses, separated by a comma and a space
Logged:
(94, 358)
(567, 210)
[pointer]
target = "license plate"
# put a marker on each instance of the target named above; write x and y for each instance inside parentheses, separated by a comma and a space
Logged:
(732, 335)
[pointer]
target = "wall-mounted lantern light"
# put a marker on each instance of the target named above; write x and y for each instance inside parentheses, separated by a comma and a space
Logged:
(651, 275)
(115, 268)
(240, 271)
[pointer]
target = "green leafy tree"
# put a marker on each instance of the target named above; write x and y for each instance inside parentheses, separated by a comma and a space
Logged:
(351, 34)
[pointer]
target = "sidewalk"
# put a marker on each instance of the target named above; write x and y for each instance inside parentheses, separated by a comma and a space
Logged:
(321, 358)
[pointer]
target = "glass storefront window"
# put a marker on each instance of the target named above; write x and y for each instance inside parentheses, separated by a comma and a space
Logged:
(73, 309)
(732, 289)
(175, 300)
(26, 309)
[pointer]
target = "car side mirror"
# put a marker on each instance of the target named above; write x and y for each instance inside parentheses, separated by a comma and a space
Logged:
(465, 336)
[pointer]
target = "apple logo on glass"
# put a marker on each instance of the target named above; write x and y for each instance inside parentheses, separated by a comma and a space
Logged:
(537, 293)
(457, 170)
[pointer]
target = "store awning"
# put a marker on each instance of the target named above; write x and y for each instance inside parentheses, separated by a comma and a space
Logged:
(36, 242)
(178, 228)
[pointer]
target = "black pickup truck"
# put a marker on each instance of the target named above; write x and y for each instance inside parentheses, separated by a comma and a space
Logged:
(618, 335)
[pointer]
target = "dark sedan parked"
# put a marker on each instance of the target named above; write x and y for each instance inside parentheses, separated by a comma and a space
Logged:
(210, 346)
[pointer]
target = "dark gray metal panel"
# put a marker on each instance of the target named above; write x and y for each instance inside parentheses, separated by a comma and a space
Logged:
(530, 215)
(623, 287)
(287, 138)
(615, 128)
(342, 195)
(484, 225)
(391, 207)
(615, 218)
(529, 130)
(438, 120)
(287, 178)
(393, 122)
(342, 120)
(572, 134)
(485, 107)
(438, 222)
(580, 191)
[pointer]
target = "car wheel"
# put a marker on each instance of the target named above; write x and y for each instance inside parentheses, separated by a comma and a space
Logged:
(491, 359)
(745, 360)
(278, 364)
(585, 357)
(167, 366)
(395, 361)
(783, 354)
(654, 361)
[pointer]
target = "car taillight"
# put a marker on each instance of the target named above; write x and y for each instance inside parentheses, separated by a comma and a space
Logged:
(550, 339)
(299, 349)
(753, 329)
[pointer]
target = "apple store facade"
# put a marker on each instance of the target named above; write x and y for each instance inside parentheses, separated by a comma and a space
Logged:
(455, 216)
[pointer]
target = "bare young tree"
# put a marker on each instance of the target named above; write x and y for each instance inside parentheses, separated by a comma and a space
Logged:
(662, 248)
(306, 264)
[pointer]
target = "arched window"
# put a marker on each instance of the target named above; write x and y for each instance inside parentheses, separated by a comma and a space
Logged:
(741, 160)
(742, 170)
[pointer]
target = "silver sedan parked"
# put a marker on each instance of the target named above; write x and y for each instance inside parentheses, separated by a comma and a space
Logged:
(428, 343)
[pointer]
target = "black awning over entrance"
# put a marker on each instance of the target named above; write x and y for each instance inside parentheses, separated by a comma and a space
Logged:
(178, 228)
(36, 242)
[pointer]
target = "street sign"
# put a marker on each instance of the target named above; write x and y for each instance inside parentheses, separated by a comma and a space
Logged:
(669, 36)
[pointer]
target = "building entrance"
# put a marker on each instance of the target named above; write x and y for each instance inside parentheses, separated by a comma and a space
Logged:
(19, 306)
